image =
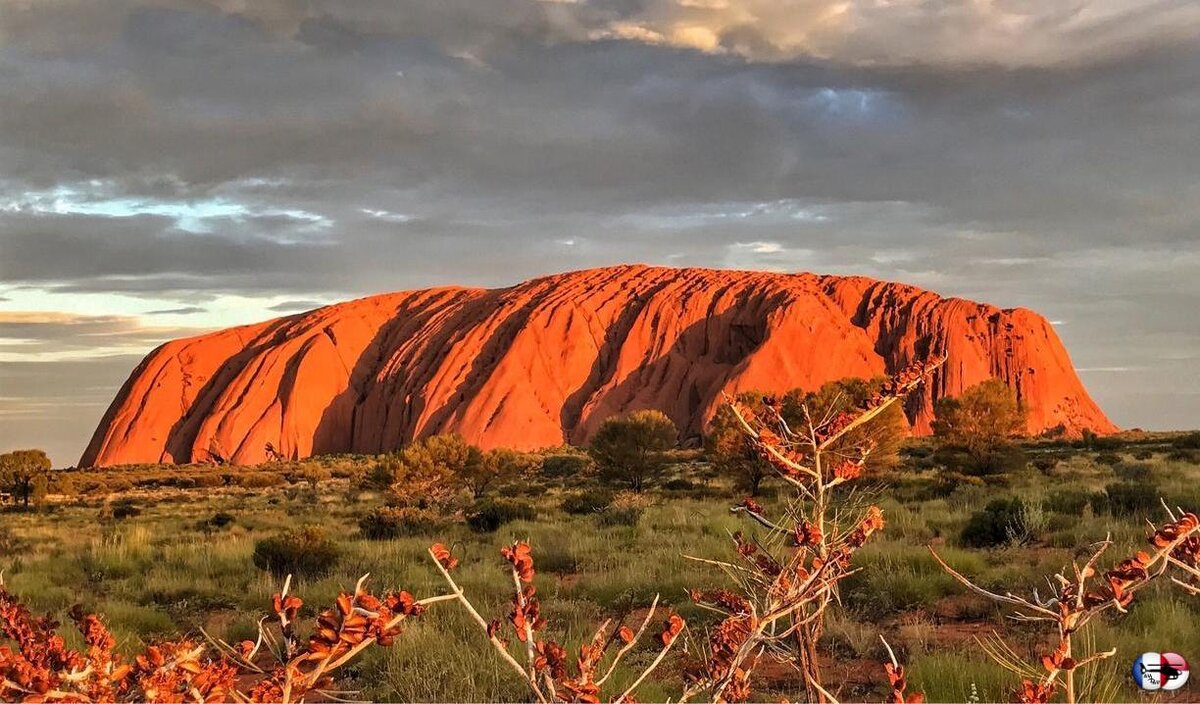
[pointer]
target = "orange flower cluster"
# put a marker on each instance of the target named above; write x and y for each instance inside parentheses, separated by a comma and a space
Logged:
(723, 664)
(870, 523)
(42, 667)
(442, 554)
(898, 680)
(1034, 692)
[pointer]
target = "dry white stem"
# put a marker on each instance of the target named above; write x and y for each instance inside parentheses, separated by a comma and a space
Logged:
(650, 668)
(499, 646)
(629, 646)
(1007, 598)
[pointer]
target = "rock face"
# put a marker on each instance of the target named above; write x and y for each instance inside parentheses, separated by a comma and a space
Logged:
(545, 362)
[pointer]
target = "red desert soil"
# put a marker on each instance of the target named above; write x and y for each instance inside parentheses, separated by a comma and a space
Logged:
(545, 362)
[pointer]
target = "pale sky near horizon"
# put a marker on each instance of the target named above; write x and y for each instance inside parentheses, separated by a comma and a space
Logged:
(172, 166)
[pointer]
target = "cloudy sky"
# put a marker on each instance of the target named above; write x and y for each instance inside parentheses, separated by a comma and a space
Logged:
(168, 167)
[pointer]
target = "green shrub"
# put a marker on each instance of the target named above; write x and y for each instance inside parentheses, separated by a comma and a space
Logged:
(625, 516)
(1003, 521)
(1143, 455)
(304, 552)
(591, 501)
(220, 519)
(125, 508)
(1070, 502)
(1184, 455)
(389, 522)
(567, 466)
(1109, 458)
(1045, 463)
(1003, 459)
(487, 516)
(1191, 441)
(1134, 471)
(1130, 498)
(679, 485)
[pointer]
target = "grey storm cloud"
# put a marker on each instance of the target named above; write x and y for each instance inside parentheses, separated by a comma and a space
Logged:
(1025, 153)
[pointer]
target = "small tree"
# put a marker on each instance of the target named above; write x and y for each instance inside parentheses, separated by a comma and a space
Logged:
(19, 473)
(485, 470)
(631, 449)
(732, 451)
(983, 421)
(883, 432)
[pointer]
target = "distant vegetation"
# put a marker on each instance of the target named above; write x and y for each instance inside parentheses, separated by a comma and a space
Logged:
(169, 552)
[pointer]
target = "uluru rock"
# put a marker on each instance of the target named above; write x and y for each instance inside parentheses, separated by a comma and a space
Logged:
(545, 362)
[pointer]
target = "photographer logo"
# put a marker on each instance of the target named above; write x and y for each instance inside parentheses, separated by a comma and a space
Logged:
(1155, 671)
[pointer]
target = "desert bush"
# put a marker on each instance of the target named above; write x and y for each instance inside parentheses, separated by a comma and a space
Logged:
(1002, 459)
(1044, 463)
(632, 449)
(1069, 502)
(1003, 521)
(679, 484)
(307, 552)
(1110, 459)
(731, 452)
(1184, 455)
(485, 470)
(1191, 441)
(23, 474)
(487, 516)
(567, 466)
(1130, 498)
(1143, 455)
(125, 508)
(383, 473)
(218, 520)
(586, 502)
(388, 522)
(1134, 471)
(982, 419)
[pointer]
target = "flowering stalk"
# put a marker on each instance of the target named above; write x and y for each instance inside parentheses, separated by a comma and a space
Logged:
(546, 670)
(789, 577)
(1176, 544)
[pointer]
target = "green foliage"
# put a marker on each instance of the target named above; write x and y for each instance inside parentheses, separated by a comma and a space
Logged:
(485, 470)
(567, 466)
(1002, 459)
(1134, 471)
(1002, 521)
(624, 516)
(586, 502)
(981, 423)
(633, 449)
(487, 516)
(884, 433)
(304, 552)
(125, 508)
(1131, 499)
(730, 451)
(387, 522)
(1111, 459)
(22, 474)
(1070, 502)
